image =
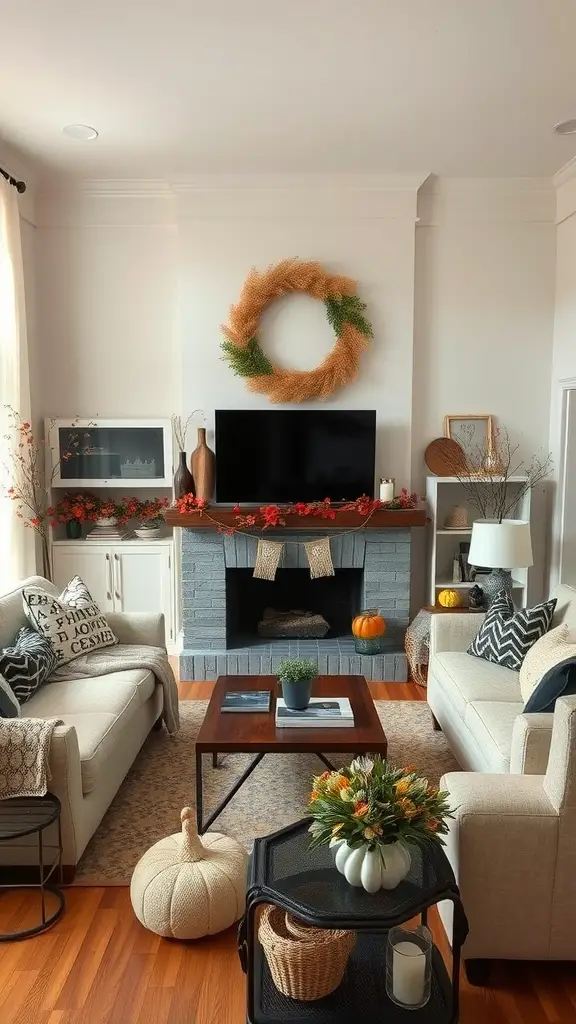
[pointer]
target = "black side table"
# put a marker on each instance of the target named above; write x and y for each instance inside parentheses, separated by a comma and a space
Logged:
(285, 872)
(23, 816)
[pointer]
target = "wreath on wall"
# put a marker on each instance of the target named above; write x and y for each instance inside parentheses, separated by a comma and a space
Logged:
(345, 314)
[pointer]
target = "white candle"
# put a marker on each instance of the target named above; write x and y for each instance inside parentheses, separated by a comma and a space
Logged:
(408, 973)
(386, 490)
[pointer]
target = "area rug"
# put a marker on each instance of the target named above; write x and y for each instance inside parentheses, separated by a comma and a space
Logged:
(161, 782)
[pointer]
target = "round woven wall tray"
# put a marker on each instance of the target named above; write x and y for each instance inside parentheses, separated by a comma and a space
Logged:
(445, 457)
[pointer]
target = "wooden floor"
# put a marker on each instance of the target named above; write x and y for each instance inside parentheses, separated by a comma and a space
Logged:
(99, 966)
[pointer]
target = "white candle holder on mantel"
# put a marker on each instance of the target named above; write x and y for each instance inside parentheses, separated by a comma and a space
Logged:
(409, 966)
(386, 489)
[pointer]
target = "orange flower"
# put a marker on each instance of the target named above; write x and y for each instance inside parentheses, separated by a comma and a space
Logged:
(338, 783)
(361, 809)
(314, 795)
(325, 775)
(409, 809)
(431, 790)
(432, 824)
(371, 831)
(402, 787)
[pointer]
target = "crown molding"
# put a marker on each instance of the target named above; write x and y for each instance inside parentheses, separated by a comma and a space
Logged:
(108, 188)
(411, 182)
(495, 200)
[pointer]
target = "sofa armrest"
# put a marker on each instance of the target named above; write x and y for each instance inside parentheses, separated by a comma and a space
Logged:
(138, 628)
(502, 846)
(66, 784)
(453, 631)
(531, 738)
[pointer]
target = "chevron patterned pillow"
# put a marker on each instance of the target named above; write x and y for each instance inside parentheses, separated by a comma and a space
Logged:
(507, 633)
(28, 663)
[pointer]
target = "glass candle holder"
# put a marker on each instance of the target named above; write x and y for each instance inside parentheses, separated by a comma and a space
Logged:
(409, 966)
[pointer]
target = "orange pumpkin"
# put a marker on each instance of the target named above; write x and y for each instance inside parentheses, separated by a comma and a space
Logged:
(368, 624)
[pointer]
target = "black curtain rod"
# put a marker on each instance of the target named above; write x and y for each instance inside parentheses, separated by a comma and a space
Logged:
(20, 186)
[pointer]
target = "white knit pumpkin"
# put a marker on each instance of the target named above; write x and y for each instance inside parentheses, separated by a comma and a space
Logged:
(185, 887)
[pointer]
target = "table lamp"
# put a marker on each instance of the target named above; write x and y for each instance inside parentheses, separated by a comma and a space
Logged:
(500, 546)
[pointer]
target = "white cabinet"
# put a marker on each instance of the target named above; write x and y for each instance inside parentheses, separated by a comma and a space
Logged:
(90, 561)
(128, 577)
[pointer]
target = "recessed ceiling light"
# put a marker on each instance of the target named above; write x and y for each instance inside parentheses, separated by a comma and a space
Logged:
(566, 127)
(80, 131)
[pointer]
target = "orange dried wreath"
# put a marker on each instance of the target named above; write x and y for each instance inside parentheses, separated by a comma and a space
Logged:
(345, 313)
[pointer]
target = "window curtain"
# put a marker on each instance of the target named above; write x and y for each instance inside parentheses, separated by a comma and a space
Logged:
(16, 542)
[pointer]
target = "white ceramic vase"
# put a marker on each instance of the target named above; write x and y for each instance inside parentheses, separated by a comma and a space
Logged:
(379, 867)
(107, 521)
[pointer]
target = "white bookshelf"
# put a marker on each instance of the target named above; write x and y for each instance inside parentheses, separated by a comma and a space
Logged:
(442, 494)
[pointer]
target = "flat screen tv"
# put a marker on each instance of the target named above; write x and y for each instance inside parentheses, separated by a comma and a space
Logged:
(288, 456)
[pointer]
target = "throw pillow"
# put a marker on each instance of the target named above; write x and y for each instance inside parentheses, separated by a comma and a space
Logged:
(549, 650)
(76, 593)
(507, 634)
(9, 706)
(559, 681)
(27, 663)
(72, 630)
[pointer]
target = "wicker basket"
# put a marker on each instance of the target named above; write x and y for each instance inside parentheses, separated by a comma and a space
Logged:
(306, 965)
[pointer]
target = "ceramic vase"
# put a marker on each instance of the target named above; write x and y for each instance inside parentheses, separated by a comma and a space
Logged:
(73, 529)
(372, 868)
(107, 521)
(202, 463)
(183, 480)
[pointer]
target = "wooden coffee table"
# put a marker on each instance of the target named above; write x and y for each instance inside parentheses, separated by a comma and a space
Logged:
(256, 732)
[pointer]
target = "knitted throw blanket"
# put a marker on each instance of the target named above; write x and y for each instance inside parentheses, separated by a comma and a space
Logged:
(124, 657)
(24, 753)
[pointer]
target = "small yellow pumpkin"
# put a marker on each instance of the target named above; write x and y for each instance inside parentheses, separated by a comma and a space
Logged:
(450, 599)
(368, 624)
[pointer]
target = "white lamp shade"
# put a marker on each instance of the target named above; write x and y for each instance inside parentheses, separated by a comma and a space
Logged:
(505, 545)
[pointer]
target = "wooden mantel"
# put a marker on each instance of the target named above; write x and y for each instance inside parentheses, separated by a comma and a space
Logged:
(382, 519)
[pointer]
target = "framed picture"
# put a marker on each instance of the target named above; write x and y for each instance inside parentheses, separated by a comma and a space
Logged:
(473, 433)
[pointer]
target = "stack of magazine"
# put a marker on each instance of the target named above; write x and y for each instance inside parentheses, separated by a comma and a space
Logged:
(321, 713)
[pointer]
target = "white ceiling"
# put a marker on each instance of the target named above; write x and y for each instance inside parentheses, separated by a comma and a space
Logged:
(453, 87)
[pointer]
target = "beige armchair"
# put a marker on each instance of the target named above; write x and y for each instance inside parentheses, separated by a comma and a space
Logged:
(512, 846)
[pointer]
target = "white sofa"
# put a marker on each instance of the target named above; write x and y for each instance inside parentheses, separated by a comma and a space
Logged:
(512, 844)
(106, 721)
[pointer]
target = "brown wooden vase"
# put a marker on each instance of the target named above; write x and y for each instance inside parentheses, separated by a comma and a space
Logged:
(183, 481)
(202, 464)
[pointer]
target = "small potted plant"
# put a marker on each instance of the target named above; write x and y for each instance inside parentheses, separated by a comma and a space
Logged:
(71, 511)
(371, 813)
(296, 676)
(149, 516)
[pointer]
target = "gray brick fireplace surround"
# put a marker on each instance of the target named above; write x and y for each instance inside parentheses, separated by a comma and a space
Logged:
(384, 557)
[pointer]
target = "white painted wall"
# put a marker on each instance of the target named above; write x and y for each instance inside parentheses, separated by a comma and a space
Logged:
(564, 349)
(369, 236)
(134, 280)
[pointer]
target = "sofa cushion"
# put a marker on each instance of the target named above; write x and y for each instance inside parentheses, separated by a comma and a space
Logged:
(555, 646)
(565, 606)
(27, 663)
(98, 709)
(463, 678)
(11, 611)
(491, 724)
(72, 629)
(507, 633)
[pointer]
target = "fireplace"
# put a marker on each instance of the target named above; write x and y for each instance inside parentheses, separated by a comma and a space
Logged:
(222, 603)
(251, 601)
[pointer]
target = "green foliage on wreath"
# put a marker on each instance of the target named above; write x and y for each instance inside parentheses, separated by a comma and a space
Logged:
(347, 309)
(249, 361)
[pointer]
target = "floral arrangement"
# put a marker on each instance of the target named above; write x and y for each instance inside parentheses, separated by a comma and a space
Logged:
(275, 515)
(372, 803)
(25, 471)
(89, 507)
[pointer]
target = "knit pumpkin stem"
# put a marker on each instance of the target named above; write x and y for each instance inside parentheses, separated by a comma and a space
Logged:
(191, 848)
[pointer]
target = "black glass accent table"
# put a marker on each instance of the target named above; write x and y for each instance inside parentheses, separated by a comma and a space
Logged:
(285, 872)
(24, 816)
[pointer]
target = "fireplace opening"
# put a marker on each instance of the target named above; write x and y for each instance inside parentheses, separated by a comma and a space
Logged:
(291, 606)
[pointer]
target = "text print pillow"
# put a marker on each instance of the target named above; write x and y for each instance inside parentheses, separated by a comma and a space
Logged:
(73, 622)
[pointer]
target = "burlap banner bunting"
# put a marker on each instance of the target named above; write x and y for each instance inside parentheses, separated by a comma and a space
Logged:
(319, 557)
(268, 556)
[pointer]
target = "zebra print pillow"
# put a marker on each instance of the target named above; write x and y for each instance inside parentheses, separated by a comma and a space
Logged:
(28, 663)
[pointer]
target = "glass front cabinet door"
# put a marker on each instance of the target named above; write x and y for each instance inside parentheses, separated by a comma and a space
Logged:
(109, 453)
